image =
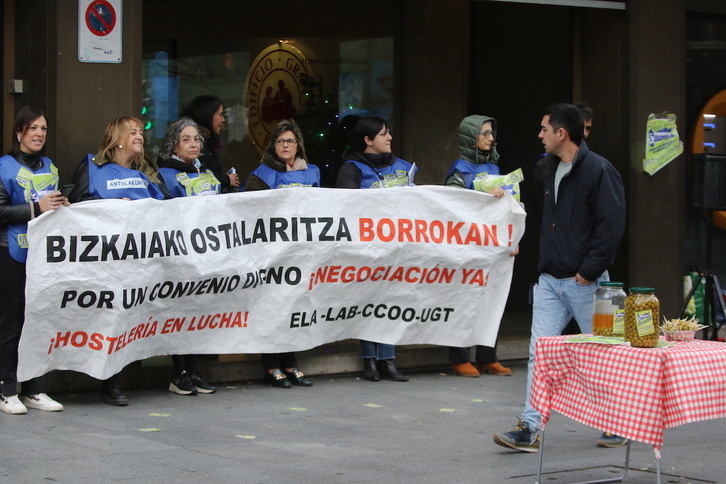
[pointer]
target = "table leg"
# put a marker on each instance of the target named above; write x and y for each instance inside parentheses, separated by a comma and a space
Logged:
(600, 481)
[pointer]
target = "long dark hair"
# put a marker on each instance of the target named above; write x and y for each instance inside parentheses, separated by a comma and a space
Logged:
(201, 110)
(25, 116)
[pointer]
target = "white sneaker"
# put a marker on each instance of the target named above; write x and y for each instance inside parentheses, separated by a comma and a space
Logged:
(12, 405)
(41, 401)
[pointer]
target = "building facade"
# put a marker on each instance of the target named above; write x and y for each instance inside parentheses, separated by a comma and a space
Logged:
(423, 65)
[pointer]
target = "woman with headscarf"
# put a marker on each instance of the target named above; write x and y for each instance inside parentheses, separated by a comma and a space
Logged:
(478, 158)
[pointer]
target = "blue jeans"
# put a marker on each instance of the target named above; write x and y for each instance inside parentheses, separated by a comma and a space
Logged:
(555, 302)
(379, 351)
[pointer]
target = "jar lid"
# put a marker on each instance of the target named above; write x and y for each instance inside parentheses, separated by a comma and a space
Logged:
(610, 284)
(641, 290)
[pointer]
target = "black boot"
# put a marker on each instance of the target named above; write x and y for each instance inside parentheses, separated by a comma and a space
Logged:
(111, 392)
(389, 372)
(370, 371)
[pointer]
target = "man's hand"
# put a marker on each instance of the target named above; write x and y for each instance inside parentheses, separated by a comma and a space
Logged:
(581, 280)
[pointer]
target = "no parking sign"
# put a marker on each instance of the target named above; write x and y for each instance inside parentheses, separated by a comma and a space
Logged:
(99, 30)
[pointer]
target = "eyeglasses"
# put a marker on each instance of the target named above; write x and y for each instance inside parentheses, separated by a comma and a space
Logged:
(487, 133)
(280, 142)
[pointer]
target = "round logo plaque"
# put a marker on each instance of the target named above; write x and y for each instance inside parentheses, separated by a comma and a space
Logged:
(272, 90)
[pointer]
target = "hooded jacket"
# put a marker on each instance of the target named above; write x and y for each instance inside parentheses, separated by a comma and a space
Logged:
(472, 161)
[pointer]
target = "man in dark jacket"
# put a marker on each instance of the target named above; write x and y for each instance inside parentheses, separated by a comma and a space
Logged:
(582, 223)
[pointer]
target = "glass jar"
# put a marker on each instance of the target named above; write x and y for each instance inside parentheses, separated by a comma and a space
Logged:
(608, 309)
(642, 316)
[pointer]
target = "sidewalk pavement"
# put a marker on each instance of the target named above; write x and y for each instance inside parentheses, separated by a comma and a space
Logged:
(436, 428)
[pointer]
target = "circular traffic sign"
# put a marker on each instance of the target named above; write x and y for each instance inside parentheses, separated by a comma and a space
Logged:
(100, 17)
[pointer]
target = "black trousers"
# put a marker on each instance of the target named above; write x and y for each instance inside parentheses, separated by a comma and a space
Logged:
(12, 317)
(484, 354)
(272, 361)
(188, 363)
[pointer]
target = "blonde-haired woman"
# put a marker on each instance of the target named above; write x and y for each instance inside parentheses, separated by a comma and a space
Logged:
(120, 157)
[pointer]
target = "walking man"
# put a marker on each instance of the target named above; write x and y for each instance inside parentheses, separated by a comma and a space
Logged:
(582, 224)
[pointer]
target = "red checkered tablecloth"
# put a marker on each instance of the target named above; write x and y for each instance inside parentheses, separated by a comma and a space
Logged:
(632, 392)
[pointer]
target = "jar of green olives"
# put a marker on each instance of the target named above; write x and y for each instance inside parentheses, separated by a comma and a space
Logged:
(642, 316)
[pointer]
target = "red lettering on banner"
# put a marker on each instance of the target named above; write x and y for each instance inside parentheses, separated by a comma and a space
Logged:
(421, 231)
(405, 226)
(490, 234)
(478, 277)
(218, 321)
(424, 232)
(452, 232)
(365, 225)
(473, 236)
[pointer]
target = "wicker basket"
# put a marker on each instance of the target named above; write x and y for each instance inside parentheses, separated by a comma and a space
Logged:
(679, 335)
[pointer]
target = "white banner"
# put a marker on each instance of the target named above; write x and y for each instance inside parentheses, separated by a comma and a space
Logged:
(114, 281)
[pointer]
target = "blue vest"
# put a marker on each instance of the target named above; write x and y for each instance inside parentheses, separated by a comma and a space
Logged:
(472, 172)
(395, 175)
(289, 179)
(114, 181)
(25, 186)
(183, 184)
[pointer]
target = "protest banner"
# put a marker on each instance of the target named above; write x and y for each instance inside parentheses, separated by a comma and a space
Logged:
(114, 281)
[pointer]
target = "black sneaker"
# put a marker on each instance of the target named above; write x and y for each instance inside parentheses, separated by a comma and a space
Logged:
(202, 386)
(182, 385)
(611, 440)
(519, 438)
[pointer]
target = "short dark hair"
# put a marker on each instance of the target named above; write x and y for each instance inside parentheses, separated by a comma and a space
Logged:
(368, 126)
(201, 110)
(568, 117)
(25, 116)
(587, 112)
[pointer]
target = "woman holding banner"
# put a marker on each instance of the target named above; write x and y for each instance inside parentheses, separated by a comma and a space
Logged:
(371, 164)
(121, 157)
(283, 165)
(28, 188)
(185, 176)
(478, 158)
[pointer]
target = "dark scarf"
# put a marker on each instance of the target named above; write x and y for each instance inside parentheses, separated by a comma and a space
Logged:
(34, 161)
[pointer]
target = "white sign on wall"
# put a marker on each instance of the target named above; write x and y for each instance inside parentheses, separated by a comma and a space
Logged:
(99, 30)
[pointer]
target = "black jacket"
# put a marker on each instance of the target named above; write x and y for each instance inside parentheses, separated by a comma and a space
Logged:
(581, 232)
(350, 176)
(210, 156)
